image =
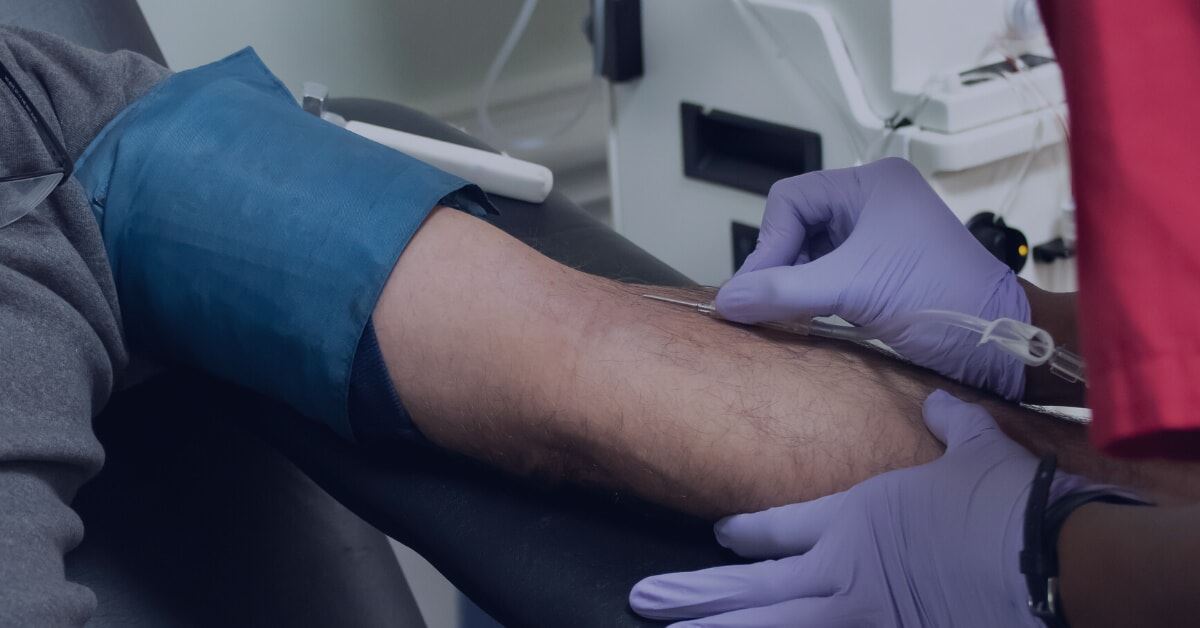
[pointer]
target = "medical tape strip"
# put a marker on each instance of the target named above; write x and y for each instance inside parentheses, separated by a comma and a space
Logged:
(252, 240)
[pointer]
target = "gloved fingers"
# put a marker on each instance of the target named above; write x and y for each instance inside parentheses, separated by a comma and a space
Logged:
(817, 612)
(954, 421)
(782, 293)
(820, 245)
(797, 208)
(722, 589)
(779, 531)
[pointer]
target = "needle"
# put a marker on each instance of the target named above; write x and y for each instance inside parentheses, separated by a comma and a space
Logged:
(708, 309)
(698, 306)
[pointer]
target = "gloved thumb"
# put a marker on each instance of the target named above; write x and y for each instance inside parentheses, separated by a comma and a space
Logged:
(954, 421)
(781, 293)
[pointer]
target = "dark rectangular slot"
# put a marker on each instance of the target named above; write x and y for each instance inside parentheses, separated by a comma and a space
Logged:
(744, 153)
(745, 238)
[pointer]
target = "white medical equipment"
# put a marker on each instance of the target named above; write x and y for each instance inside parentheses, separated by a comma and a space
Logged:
(494, 173)
(1032, 345)
(739, 93)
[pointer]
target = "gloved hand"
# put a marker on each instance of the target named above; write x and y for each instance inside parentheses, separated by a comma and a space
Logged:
(867, 243)
(934, 545)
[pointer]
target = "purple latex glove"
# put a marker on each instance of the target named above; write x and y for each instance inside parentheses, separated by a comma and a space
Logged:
(934, 545)
(866, 243)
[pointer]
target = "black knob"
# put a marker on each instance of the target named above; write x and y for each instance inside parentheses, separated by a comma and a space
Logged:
(1007, 244)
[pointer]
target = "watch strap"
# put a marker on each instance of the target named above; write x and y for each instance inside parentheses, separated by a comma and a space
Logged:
(1043, 523)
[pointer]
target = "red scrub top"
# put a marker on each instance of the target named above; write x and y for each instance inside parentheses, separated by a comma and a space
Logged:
(1132, 74)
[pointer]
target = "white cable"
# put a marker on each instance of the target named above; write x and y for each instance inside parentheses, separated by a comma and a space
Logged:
(1024, 85)
(770, 47)
(483, 106)
(1064, 178)
(1010, 196)
(1023, 75)
(877, 148)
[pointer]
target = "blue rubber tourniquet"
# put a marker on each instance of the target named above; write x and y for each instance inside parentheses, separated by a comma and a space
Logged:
(250, 239)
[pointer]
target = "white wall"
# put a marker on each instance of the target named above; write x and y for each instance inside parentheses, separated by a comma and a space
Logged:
(431, 54)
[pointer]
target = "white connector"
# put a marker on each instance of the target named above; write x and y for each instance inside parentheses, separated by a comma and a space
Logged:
(496, 174)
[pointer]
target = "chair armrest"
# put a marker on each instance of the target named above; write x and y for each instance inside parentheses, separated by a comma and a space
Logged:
(528, 555)
(195, 522)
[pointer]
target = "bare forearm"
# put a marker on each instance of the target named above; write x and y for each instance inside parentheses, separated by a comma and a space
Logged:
(840, 413)
(716, 418)
(506, 356)
(1130, 566)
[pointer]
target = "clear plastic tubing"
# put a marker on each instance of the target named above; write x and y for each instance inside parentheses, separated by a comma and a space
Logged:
(1032, 345)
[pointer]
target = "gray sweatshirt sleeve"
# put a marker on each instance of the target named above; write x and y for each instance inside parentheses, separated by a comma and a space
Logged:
(61, 347)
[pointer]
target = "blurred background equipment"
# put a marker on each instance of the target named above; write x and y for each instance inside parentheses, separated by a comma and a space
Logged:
(739, 93)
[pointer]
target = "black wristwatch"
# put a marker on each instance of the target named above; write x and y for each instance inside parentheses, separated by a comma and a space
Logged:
(1043, 522)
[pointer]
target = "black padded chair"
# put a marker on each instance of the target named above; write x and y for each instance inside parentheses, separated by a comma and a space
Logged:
(208, 510)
